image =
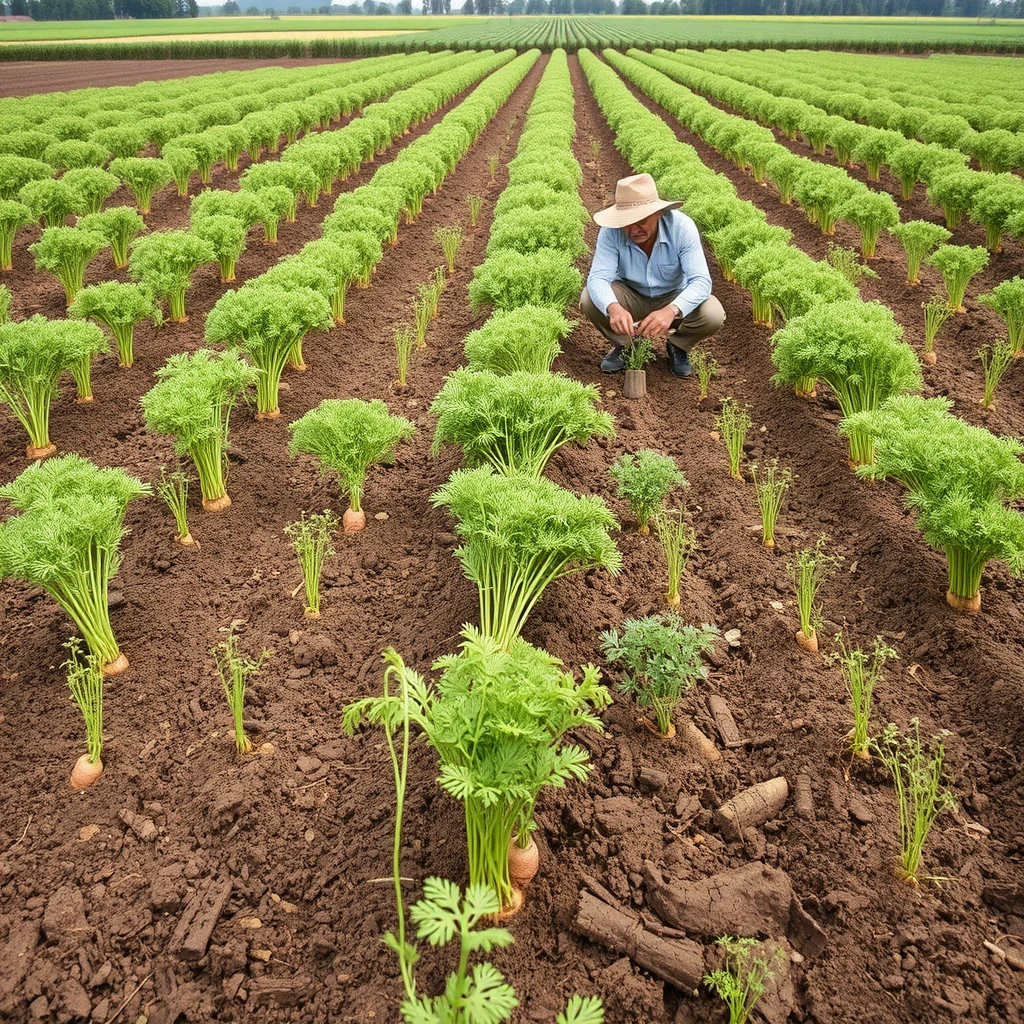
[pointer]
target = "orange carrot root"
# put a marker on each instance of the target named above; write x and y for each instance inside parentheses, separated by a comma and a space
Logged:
(522, 863)
(116, 667)
(808, 643)
(673, 600)
(187, 541)
(85, 773)
(970, 605)
(929, 357)
(644, 530)
(275, 414)
(807, 396)
(298, 367)
(513, 908)
(83, 400)
(216, 504)
(652, 727)
(309, 613)
(40, 453)
(353, 521)
(769, 543)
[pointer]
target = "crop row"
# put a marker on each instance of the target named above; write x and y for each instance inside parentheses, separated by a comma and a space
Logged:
(961, 477)
(986, 93)
(995, 201)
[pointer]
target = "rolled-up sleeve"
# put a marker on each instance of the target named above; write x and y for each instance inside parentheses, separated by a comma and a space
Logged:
(695, 269)
(604, 268)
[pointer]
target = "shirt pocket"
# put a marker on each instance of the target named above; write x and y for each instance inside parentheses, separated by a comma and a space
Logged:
(669, 271)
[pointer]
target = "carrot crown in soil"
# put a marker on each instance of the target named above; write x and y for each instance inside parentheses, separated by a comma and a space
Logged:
(645, 479)
(662, 658)
(266, 321)
(67, 538)
(348, 436)
(515, 422)
(311, 537)
(85, 681)
(192, 400)
(520, 534)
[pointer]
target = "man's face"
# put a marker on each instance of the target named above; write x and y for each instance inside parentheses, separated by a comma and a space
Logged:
(644, 230)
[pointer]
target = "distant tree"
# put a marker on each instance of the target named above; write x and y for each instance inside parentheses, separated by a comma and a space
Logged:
(403, 7)
(19, 8)
(253, 12)
(383, 8)
(634, 7)
(519, 6)
(468, 7)
(231, 7)
(294, 10)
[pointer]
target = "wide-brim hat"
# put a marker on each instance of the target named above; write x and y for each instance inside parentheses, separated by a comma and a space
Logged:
(636, 197)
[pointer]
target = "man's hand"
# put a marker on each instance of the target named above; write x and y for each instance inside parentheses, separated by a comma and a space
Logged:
(619, 320)
(658, 323)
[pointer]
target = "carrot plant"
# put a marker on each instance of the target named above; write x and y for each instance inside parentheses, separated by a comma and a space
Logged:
(67, 541)
(444, 913)
(732, 423)
(66, 253)
(741, 982)
(958, 264)
(1007, 299)
(421, 318)
(5, 303)
(144, 176)
(857, 349)
(508, 279)
(227, 238)
(33, 354)
(515, 422)
(192, 400)
(267, 322)
(13, 216)
(93, 185)
(85, 681)
(235, 670)
(311, 537)
(476, 205)
(677, 539)
(845, 260)
(51, 200)
(645, 480)
(918, 238)
(861, 672)
(492, 165)
(348, 436)
(936, 313)
(639, 354)
(662, 660)
(995, 361)
(519, 535)
(449, 238)
(869, 212)
(405, 342)
(497, 719)
(119, 225)
(18, 171)
(87, 341)
(959, 480)
(995, 204)
(165, 262)
(524, 339)
(173, 489)
(771, 485)
(810, 568)
(916, 772)
(183, 162)
(118, 307)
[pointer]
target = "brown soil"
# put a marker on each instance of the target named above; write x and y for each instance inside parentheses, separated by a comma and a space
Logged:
(107, 896)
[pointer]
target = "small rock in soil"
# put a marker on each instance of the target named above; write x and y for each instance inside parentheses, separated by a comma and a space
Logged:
(74, 1001)
(64, 917)
(308, 765)
(859, 810)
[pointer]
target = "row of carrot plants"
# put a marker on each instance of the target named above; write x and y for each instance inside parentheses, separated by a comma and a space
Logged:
(993, 200)
(499, 711)
(963, 478)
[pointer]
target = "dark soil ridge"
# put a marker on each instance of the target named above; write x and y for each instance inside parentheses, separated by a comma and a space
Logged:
(273, 825)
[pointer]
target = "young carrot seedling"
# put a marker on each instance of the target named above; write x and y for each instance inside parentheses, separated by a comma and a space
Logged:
(771, 485)
(936, 313)
(85, 681)
(449, 238)
(995, 361)
(645, 479)
(678, 539)
(732, 423)
(810, 568)
(861, 671)
(741, 982)
(705, 367)
(311, 538)
(476, 204)
(405, 342)
(173, 488)
(234, 670)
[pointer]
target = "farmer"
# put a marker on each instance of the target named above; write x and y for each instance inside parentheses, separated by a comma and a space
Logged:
(649, 277)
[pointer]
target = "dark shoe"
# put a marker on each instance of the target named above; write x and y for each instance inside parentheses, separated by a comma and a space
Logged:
(678, 360)
(613, 362)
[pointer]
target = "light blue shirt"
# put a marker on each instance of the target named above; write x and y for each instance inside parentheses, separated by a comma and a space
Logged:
(677, 265)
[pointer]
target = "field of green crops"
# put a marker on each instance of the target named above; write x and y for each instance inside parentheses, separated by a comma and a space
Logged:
(366, 606)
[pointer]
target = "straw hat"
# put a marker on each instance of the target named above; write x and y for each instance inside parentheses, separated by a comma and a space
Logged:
(636, 197)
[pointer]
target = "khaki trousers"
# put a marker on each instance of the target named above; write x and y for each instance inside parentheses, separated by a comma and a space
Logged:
(686, 331)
